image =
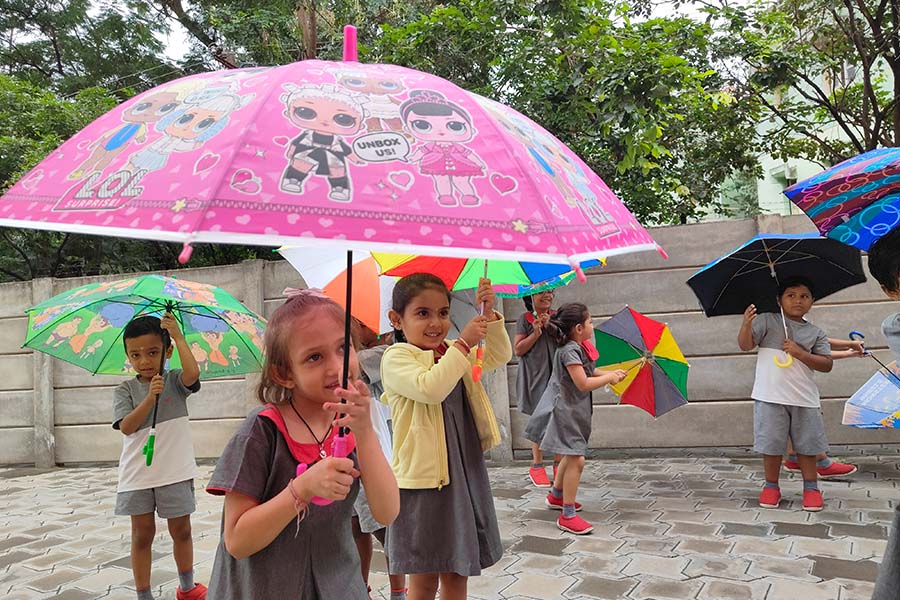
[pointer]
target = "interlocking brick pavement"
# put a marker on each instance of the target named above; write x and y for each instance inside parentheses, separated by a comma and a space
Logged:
(667, 524)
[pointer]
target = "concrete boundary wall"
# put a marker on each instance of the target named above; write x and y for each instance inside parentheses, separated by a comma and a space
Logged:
(52, 412)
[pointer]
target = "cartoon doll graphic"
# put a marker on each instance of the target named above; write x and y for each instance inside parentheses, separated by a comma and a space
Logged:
(443, 127)
(244, 323)
(200, 117)
(63, 332)
(189, 291)
(382, 109)
(326, 115)
(234, 356)
(98, 324)
(147, 110)
(214, 339)
(200, 355)
(91, 349)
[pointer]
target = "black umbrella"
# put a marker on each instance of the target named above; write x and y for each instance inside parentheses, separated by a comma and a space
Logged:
(750, 274)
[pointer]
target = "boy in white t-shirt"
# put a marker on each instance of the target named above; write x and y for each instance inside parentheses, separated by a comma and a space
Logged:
(166, 486)
(786, 397)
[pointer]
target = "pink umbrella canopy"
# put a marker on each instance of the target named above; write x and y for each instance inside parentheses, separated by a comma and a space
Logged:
(339, 154)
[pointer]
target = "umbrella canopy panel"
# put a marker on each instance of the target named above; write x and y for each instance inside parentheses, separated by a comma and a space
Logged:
(751, 273)
(856, 201)
(84, 326)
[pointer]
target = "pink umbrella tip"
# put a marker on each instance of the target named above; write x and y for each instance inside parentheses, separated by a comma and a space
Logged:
(579, 273)
(186, 252)
(662, 252)
(350, 48)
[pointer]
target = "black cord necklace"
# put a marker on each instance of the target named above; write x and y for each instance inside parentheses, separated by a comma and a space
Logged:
(313, 433)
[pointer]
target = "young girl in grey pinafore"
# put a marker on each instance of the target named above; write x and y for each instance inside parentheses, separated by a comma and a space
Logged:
(443, 420)
(561, 423)
(460, 517)
(535, 349)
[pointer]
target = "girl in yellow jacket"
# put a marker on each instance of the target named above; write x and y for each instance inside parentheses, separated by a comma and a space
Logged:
(443, 423)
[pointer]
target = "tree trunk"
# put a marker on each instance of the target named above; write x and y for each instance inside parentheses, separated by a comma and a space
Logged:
(305, 13)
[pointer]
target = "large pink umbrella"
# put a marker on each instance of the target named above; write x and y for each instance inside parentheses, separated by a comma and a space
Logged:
(329, 154)
(340, 154)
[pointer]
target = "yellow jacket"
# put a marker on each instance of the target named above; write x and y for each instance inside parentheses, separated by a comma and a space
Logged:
(415, 387)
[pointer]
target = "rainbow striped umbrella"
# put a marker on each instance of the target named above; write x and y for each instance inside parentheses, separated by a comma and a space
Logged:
(657, 370)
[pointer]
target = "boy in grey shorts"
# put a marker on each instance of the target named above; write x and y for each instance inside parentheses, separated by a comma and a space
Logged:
(167, 485)
(786, 397)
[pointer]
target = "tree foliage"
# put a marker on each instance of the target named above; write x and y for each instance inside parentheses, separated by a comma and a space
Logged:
(827, 74)
(70, 45)
(639, 100)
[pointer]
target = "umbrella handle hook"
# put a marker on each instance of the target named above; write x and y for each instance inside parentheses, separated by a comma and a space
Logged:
(858, 335)
(789, 360)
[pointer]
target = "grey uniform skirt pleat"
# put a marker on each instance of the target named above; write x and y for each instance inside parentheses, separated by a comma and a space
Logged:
(454, 529)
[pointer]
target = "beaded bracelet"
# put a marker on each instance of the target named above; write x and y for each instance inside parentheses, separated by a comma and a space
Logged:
(299, 505)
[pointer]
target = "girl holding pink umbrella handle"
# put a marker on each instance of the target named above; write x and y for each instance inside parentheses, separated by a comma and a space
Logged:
(274, 544)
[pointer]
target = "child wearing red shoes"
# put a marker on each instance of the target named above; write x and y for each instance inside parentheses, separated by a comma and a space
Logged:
(561, 423)
(535, 349)
(826, 467)
(787, 404)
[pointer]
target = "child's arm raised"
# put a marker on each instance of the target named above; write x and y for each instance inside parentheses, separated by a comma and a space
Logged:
(745, 335)
(190, 370)
(377, 477)
(251, 526)
(404, 374)
(596, 381)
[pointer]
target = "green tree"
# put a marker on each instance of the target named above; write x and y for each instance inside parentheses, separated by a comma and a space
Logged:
(827, 74)
(69, 45)
(639, 100)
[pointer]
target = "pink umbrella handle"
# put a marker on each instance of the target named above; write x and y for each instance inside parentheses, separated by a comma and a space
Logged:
(338, 450)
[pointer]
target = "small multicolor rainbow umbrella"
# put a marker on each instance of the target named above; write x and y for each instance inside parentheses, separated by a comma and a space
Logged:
(509, 277)
(657, 370)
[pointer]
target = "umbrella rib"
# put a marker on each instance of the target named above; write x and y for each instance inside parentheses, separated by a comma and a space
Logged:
(119, 335)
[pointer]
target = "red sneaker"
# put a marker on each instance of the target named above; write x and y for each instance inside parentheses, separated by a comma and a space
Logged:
(836, 469)
(791, 466)
(538, 477)
(575, 525)
(770, 497)
(557, 503)
(812, 500)
(197, 593)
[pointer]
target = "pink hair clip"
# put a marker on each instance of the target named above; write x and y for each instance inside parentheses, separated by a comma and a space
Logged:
(290, 292)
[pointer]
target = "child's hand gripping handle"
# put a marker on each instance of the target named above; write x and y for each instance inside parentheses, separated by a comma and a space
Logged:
(338, 450)
(858, 335)
(478, 367)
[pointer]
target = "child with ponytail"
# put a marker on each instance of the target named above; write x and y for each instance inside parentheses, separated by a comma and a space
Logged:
(561, 423)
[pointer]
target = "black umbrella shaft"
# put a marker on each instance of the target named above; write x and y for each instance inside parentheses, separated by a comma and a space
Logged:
(346, 374)
(162, 365)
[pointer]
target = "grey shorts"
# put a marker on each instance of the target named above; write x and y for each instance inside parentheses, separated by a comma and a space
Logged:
(169, 501)
(774, 423)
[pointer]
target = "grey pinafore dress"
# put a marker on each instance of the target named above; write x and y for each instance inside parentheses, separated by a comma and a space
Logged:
(321, 563)
(535, 367)
(454, 529)
(561, 423)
